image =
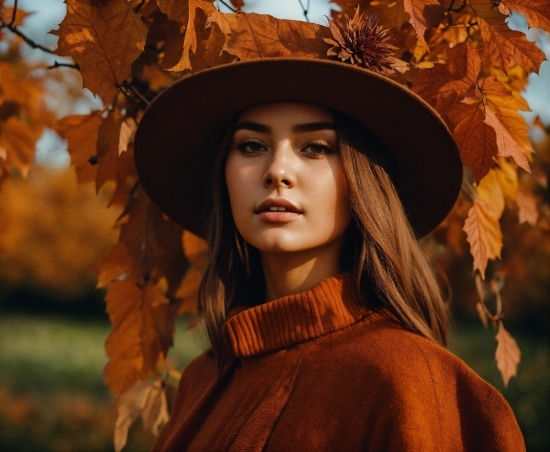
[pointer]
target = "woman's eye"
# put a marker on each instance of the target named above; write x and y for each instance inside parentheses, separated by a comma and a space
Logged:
(317, 149)
(251, 147)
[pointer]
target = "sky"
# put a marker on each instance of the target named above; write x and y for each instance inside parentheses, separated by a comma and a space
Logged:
(49, 13)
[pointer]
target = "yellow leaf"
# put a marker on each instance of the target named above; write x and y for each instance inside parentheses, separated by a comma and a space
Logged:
(104, 38)
(155, 412)
(490, 191)
(483, 234)
(507, 177)
(508, 354)
(527, 204)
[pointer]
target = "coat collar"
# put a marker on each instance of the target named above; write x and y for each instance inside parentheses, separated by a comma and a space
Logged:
(287, 321)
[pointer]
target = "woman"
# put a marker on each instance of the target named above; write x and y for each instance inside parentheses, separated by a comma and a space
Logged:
(311, 180)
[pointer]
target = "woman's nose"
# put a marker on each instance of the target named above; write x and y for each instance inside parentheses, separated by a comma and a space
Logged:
(280, 170)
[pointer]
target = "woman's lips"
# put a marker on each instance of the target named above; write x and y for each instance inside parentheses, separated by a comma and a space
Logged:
(277, 210)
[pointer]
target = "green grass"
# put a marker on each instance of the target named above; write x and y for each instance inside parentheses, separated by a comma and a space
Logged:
(52, 394)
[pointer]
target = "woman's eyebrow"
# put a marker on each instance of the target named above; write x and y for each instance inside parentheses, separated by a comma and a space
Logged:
(314, 126)
(254, 126)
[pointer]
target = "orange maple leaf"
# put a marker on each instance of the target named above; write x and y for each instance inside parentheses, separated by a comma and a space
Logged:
(444, 85)
(143, 327)
(537, 12)
(81, 133)
(250, 36)
(418, 10)
(476, 140)
(502, 46)
(185, 12)
(527, 204)
(104, 39)
(483, 234)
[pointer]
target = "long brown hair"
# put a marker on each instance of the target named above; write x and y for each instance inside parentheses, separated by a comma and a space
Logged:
(391, 273)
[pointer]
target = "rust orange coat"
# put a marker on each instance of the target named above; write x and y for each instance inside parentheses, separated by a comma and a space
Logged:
(316, 372)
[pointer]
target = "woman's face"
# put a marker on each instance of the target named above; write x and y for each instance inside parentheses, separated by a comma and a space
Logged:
(285, 180)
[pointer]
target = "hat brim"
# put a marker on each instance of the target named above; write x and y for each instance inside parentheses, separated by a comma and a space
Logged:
(180, 133)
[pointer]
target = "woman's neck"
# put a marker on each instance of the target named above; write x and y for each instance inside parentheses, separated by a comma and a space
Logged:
(294, 272)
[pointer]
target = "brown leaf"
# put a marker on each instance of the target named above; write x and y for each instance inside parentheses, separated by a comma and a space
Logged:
(444, 85)
(537, 12)
(195, 251)
(476, 140)
(143, 327)
(81, 132)
(108, 140)
(508, 354)
(528, 211)
(503, 47)
(104, 39)
(18, 140)
(507, 146)
(483, 234)
(185, 12)
(419, 10)
(250, 36)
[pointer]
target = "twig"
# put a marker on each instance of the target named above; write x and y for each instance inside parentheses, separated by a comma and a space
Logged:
(14, 14)
(71, 65)
(228, 6)
(128, 86)
(13, 28)
(305, 9)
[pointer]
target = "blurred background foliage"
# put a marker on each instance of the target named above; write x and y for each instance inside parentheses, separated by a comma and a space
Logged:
(53, 234)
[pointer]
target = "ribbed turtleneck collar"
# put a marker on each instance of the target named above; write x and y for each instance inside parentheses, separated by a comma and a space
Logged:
(281, 323)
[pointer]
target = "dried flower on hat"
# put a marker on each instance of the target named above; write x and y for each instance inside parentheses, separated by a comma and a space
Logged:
(361, 42)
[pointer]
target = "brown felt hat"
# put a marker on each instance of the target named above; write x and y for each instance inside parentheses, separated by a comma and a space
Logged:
(180, 134)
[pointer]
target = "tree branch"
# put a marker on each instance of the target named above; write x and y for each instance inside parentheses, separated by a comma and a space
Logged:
(13, 28)
(57, 64)
(14, 14)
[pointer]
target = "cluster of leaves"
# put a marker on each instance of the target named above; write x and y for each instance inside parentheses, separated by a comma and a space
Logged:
(459, 55)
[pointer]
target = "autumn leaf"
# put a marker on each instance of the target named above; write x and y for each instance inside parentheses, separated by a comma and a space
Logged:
(108, 140)
(18, 141)
(508, 354)
(195, 252)
(502, 46)
(483, 234)
(81, 132)
(416, 9)
(143, 398)
(250, 36)
(104, 39)
(444, 85)
(537, 12)
(185, 12)
(490, 191)
(507, 146)
(142, 332)
(527, 204)
(476, 140)
(117, 263)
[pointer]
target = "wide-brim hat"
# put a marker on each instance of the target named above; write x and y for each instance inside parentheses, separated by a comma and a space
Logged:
(180, 133)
